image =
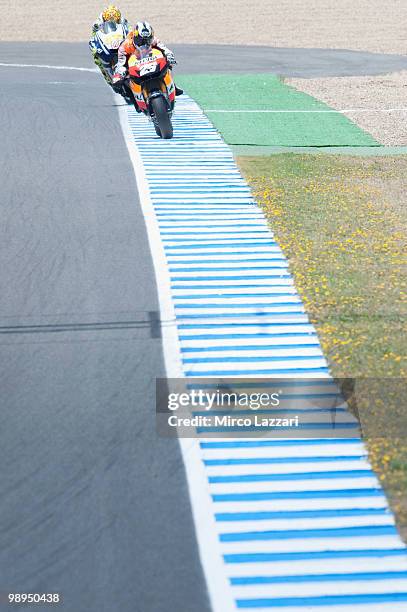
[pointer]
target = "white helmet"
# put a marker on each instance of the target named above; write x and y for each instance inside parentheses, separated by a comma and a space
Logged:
(143, 34)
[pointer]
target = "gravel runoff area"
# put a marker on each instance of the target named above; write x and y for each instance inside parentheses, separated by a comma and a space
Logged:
(379, 93)
(370, 25)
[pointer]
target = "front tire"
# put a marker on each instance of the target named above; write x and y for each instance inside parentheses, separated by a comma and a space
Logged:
(162, 120)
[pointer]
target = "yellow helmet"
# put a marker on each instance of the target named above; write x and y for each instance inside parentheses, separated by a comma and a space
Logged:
(112, 13)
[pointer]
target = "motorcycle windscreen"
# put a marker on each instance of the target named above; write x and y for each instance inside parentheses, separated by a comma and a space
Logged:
(109, 27)
(144, 51)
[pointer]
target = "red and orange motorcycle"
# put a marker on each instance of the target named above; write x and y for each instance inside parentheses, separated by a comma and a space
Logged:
(153, 88)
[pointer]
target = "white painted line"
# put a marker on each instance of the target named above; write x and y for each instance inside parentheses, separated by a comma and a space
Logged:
(3, 64)
(333, 522)
(229, 257)
(243, 301)
(351, 543)
(211, 558)
(242, 343)
(319, 589)
(330, 566)
(322, 484)
(307, 468)
(231, 282)
(369, 607)
(298, 505)
(265, 353)
(339, 110)
(280, 452)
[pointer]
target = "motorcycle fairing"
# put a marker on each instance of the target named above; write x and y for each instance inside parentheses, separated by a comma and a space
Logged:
(107, 40)
(150, 69)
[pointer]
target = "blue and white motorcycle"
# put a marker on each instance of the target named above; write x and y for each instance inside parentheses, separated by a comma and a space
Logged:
(104, 46)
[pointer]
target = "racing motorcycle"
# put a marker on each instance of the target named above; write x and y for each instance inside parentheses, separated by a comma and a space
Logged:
(106, 43)
(153, 88)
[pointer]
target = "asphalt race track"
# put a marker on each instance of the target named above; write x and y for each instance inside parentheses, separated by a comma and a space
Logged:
(307, 63)
(94, 505)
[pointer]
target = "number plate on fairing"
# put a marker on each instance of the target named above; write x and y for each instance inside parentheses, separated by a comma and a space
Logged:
(148, 68)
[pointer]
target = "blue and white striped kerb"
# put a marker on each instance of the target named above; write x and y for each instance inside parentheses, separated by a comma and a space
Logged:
(302, 525)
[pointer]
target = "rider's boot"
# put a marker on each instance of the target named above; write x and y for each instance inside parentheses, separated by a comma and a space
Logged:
(102, 69)
(178, 91)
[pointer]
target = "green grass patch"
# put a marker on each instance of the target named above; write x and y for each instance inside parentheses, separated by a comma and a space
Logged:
(266, 92)
(341, 222)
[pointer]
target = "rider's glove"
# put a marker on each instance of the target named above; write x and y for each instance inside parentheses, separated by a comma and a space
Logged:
(171, 59)
(119, 75)
(117, 81)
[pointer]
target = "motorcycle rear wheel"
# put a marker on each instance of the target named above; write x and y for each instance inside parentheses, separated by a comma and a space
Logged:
(162, 120)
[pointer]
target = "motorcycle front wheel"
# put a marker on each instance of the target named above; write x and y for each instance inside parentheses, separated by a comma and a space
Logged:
(162, 120)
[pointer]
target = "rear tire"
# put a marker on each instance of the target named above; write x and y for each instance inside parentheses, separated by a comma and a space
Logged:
(162, 120)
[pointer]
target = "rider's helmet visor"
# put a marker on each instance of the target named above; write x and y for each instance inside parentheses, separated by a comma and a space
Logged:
(141, 40)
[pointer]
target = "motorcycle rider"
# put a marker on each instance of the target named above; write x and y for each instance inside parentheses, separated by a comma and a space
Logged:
(142, 34)
(110, 13)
